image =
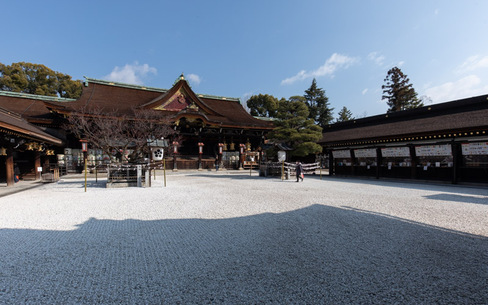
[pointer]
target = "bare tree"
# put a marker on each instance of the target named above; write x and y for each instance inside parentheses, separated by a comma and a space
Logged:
(112, 132)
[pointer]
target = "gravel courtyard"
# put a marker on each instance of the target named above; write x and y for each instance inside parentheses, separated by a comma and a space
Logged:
(222, 238)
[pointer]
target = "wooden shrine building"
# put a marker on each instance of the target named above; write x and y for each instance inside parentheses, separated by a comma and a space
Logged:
(22, 146)
(441, 142)
(210, 127)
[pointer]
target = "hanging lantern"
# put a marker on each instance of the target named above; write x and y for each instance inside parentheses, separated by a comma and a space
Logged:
(200, 147)
(225, 146)
(84, 145)
(248, 145)
(175, 147)
(3, 151)
(221, 148)
(157, 153)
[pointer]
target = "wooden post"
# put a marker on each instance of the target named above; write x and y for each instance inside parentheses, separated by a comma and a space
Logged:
(321, 160)
(456, 161)
(86, 170)
(282, 170)
(10, 167)
(164, 171)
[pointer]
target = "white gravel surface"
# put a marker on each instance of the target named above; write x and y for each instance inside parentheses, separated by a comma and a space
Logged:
(222, 238)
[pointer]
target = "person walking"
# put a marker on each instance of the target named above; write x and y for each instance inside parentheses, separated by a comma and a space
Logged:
(299, 171)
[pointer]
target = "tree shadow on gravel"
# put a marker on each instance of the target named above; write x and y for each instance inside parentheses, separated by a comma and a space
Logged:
(315, 255)
(408, 184)
(459, 198)
(230, 176)
(102, 183)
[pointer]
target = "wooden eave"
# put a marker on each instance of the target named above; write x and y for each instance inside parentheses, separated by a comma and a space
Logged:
(12, 122)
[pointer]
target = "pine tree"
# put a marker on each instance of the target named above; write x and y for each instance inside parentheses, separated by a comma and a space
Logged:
(294, 128)
(344, 115)
(398, 91)
(318, 105)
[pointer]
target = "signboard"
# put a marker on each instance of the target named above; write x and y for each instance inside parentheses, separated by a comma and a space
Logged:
(365, 153)
(433, 150)
(395, 152)
(341, 153)
(478, 148)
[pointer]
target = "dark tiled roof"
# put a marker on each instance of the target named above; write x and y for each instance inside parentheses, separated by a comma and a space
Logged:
(29, 106)
(110, 97)
(13, 122)
(460, 115)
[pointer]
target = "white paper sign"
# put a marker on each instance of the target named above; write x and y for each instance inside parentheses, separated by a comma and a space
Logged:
(478, 148)
(341, 153)
(433, 150)
(365, 153)
(395, 152)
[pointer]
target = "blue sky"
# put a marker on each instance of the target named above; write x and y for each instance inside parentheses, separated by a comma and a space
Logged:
(241, 48)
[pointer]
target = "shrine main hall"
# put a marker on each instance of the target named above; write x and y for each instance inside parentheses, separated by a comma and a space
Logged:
(210, 127)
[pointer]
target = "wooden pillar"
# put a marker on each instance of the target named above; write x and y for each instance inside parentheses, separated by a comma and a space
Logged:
(10, 167)
(331, 163)
(353, 161)
(456, 161)
(378, 162)
(37, 164)
(413, 159)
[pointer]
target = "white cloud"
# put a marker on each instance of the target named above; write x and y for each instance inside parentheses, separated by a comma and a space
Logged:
(130, 74)
(400, 64)
(194, 79)
(364, 91)
(473, 63)
(468, 86)
(332, 64)
(376, 58)
(244, 98)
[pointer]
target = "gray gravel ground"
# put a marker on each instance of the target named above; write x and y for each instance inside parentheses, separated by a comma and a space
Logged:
(220, 238)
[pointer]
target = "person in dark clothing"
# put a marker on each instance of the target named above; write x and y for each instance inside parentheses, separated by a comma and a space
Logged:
(299, 171)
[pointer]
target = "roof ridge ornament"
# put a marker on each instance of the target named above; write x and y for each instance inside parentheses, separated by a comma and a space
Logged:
(181, 77)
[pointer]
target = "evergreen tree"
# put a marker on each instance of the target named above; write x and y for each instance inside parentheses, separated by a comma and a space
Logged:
(263, 105)
(294, 128)
(398, 91)
(344, 115)
(318, 105)
(37, 79)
